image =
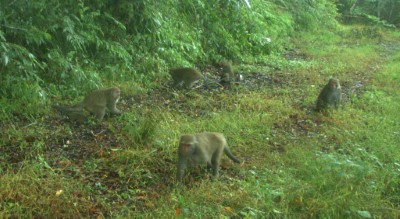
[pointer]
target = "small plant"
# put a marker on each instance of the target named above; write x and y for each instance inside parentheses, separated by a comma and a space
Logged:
(140, 130)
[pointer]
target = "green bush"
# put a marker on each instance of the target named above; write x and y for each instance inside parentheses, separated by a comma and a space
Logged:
(67, 47)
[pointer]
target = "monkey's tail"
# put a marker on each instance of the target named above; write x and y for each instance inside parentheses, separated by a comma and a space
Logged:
(230, 155)
(68, 109)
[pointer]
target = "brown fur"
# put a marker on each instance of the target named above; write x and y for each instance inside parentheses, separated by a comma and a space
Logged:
(97, 102)
(226, 73)
(330, 95)
(184, 76)
(202, 148)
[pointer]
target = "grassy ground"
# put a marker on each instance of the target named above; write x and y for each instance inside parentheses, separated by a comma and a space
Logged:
(297, 163)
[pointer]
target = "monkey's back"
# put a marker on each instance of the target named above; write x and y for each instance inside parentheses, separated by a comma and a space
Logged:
(216, 145)
(185, 74)
(328, 98)
(213, 141)
(335, 96)
(96, 98)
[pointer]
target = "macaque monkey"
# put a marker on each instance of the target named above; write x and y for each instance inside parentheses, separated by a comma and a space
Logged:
(330, 95)
(97, 102)
(184, 76)
(202, 148)
(226, 73)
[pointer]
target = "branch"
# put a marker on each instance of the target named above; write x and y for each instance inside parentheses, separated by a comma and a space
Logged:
(353, 6)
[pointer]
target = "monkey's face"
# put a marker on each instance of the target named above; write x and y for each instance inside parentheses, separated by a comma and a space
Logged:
(187, 144)
(188, 147)
(116, 93)
(185, 147)
(333, 83)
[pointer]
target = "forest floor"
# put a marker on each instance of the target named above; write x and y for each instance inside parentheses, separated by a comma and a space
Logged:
(295, 162)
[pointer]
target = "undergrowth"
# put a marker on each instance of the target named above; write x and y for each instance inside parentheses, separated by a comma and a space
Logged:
(296, 163)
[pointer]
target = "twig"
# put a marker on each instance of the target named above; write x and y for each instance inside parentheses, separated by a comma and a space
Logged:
(15, 28)
(11, 3)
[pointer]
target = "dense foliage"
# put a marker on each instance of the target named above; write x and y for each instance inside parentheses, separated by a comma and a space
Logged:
(52, 46)
(383, 12)
(297, 163)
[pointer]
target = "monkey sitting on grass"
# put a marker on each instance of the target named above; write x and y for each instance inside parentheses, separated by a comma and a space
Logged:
(330, 95)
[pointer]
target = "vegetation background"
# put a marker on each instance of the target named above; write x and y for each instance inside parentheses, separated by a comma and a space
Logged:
(297, 163)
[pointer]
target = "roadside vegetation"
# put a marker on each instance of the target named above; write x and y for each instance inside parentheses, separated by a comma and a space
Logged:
(297, 163)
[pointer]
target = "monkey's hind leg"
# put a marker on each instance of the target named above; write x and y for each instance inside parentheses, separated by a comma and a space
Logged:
(99, 113)
(215, 161)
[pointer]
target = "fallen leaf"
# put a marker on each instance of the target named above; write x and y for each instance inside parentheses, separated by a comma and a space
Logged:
(364, 214)
(64, 162)
(59, 192)
(177, 211)
(142, 197)
(228, 209)
(92, 209)
(149, 204)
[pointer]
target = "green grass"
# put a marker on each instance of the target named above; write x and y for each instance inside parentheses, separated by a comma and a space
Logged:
(296, 163)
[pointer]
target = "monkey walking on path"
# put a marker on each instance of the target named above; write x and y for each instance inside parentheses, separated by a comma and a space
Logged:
(184, 76)
(202, 148)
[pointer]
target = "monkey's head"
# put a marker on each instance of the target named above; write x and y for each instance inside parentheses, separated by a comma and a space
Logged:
(115, 92)
(334, 83)
(187, 144)
(224, 66)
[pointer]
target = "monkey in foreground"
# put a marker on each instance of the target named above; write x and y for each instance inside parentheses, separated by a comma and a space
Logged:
(202, 148)
(330, 95)
(186, 76)
(97, 102)
(226, 73)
